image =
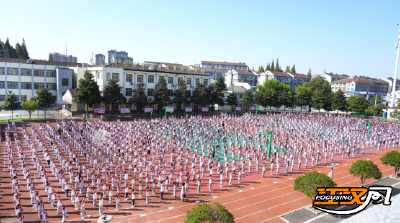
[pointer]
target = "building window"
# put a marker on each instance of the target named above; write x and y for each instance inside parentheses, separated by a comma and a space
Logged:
(38, 73)
(197, 80)
(180, 79)
(2, 71)
(128, 91)
(12, 71)
(188, 94)
(38, 86)
(2, 85)
(80, 107)
(65, 82)
(2, 97)
(108, 76)
(128, 78)
(189, 81)
(12, 85)
(26, 72)
(50, 73)
(150, 79)
(26, 85)
(170, 80)
(205, 81)
(115, 76)
(99, 75)
(23, 97)
(170, 93)
(140, 78)
(51, 86)
(150, 92)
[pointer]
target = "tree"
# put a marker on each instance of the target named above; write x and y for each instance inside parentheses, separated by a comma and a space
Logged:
(277, 66)
(293, 70)
(395, 114)
(319, 100)
(29, 106)
(161, 97)
(11, 103)
(261, 69)
(287, 69)
(112, 94)
(180, 94)
(392, 158)
(272, 66)
(50, 57)
(216, 95)
(268, 67)
(221, 83)
(302, 99)
(339, 101)
(286, 99)
(139, 98)
(201, 95)
(248, 98)
(19, 51)
(357, 104)
(378, 99)
(87, 92)
(25, 54)
(204, 212)
(259, 98)
(271, 99)
(232, 100)
(309, 182)
(309, 74)
(45, 97)
(365, 169)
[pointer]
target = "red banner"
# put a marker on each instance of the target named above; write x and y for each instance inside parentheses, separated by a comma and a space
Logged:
(99, 111)
(188, 109)
(205, 109)
(148, 110)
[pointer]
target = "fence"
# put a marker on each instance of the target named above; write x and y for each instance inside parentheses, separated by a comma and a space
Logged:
(18, 116)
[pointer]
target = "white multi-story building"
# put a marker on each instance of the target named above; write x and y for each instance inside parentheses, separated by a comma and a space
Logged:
(330, 77)
(129, 76)
(223, 65)
(23, 77)
(390, 81)
(114, 56)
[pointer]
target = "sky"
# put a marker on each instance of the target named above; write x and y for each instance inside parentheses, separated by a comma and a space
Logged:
(345, 37)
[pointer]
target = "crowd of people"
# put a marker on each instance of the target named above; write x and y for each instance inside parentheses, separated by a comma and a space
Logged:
(93, 161)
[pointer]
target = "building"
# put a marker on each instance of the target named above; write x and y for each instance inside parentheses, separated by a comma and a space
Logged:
(298, 80)
(23, 77)
(330, 77)
(390, 81)
(365, 86)
(215, 73)
(100, 59)
(223, 65)
(244, 78)
(64, 58)
(129, 76)
(118, 57)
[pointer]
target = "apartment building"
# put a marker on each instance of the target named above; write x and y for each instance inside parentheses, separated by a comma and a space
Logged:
(223, 65)
(23, 77)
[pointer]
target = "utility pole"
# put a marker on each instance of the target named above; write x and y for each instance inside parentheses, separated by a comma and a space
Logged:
(395, 69)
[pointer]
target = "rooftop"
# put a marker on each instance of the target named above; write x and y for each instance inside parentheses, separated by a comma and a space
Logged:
(166, 63)
(277, 73)
(245, 72)
(337, 75)
(353, 79)
(224, 63)
(40, 62)
(237, 89)
(299, 75)
(159, 69)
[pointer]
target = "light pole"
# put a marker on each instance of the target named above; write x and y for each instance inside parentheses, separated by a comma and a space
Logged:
(332, 167)
(395, 69)
(269, 142)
